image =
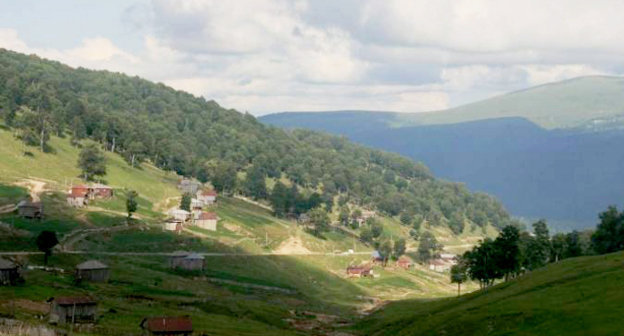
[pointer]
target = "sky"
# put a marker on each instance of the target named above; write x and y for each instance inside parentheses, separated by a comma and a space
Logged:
(264, 56)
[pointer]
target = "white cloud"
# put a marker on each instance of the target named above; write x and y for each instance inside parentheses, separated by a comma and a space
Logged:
(404, 55)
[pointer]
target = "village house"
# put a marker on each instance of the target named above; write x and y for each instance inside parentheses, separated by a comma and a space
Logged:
(439, 265)
(167, 326)
(187, 262)
(78, 196)
(173, 224)
(180, 214)
(376, 257)
(9, 273)
(404, 262)
(189, 186)
(449, 257)
(69, 310)
(93, 271)
(366, 214)
(359, 271)
(101, 191)
(32, 210)
(207, 221)
(207, 197)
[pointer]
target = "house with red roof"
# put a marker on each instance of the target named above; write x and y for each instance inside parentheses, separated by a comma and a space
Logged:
(207, 221)
(78, 196)
(359, 271)
(167, 325)
(207, 196)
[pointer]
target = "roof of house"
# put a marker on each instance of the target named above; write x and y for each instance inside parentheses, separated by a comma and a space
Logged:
(167, 324)
(194, 256)
(6, 264)
(208, 193)
(447, 256)
(101, 186)
(358, 269)
(78, 192)
(74, 300)
(437, 262)
(207, 216)
(82, 186)
(178, 211)
(28, 204)
(404, 260)
(375, 254)
(180, 254)
(91, 264)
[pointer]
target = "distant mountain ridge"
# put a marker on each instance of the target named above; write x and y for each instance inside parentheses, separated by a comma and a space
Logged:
(566, 172)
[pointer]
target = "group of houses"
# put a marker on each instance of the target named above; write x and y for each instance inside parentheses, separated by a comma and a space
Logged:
(442, 263)
(202, 198)
(66, 310)
(80, 195)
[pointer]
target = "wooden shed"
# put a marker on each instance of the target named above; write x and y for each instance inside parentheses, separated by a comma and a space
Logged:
(167, 326)
(9, 272)
(207, 197)
(101, 191)
(93, 271)
(187, 261)
(29, 209)
(404, 262)
(359, 271)
(69, 310)
(78, 196)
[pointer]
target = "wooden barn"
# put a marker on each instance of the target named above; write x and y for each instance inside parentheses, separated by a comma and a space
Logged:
(27, 209)
(188, 262)
(167, 326)
(93, 271)
(70, 310)
(101, 191)
(207, 221)
(359, 271)
(175, 258)
(9, 272)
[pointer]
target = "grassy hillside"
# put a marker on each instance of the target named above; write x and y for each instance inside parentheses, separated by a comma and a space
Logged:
(579, 296)
(246, 293)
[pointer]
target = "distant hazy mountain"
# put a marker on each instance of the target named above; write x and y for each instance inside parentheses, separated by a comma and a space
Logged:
(535, 149)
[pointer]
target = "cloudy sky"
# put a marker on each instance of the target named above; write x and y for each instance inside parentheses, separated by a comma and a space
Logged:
(265, 56)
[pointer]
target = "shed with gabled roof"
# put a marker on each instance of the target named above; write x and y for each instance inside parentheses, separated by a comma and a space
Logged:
(78, 309)
(92, 270)
(9, 272)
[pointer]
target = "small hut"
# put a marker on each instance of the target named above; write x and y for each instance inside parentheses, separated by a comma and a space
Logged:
(359, 271)
(180, 214)
(9, 273)
(167, 325)
(102, 191)
(69, 310)
(404, 262)
(93, 271)
(189, 262)
(189, 186)
(29, 209)
(377, 257)
(175, 258)
(173, 224)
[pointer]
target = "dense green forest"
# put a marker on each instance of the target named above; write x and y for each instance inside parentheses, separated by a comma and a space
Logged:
(174, 130)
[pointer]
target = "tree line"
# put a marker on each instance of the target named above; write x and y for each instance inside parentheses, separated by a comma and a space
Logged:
(515, 252)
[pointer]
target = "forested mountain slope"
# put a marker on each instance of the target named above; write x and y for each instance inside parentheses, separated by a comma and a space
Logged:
(565, 175)
(194, 137)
